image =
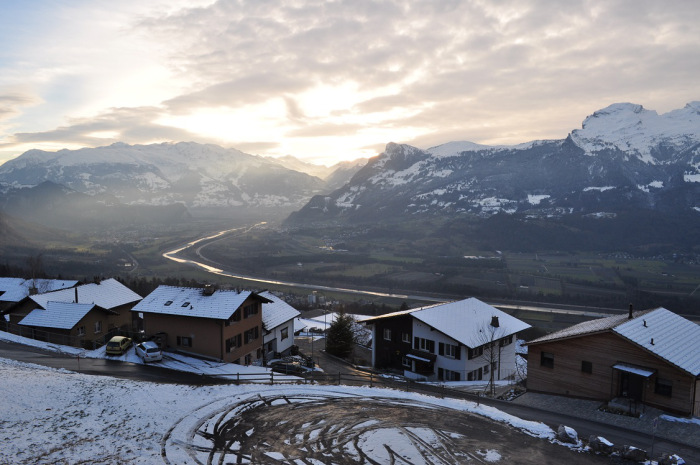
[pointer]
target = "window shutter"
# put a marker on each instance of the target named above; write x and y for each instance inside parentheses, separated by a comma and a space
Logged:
(458, 353)
(416, 343)
(441, 375)
(441, 348)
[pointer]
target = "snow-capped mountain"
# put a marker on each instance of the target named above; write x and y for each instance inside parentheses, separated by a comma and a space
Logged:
(192, 174)
(624, 157)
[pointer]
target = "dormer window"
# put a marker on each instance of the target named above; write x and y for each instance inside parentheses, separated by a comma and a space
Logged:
(168, 303)
(186, 304)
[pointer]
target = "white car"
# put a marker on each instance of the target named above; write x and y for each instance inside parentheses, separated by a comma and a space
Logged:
(149, 351)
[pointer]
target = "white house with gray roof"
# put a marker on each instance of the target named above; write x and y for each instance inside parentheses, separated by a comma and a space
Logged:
(466, 340)
(650, 357)
(278, 324)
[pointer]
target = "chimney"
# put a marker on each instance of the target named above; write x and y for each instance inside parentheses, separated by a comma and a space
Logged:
(629, 317)
(76, 294)
(208, 290)
(494, 321)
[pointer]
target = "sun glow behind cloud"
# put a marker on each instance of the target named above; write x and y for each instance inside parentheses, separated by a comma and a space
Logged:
(332, 80)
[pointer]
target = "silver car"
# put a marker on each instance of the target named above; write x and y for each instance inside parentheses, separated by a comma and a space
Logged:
(149, 351)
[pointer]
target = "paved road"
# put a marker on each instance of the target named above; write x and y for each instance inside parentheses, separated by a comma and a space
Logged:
(104, 367)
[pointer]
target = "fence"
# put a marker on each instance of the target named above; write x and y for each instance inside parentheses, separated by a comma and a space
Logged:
(365, 379)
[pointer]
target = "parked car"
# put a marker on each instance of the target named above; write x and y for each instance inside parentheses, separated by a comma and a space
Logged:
(287, 368)
(149, 351)
(118, 345)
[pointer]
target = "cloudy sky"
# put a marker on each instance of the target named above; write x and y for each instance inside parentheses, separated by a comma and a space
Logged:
(333, 80)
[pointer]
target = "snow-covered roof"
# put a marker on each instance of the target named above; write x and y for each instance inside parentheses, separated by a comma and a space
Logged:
(192, 302)
(59, 315)
(587, 327)
(467, 321)
(16, 289)
(108, 294)
(667, 335)
(660, 331)
(276, 312)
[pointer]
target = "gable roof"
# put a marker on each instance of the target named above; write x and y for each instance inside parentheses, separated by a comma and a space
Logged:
(16, 289)
(467, 321)
(463, 320)
(191, 301)
(660, 331)
(59, 315)
(108, 294)
(276, 312)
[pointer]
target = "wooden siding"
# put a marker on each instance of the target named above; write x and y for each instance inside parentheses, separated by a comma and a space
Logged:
(390, 353)
(603, 351)
(209, 335)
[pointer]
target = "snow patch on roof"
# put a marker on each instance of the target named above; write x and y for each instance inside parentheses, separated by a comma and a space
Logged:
(191, 301)
(277, 312)
(108, 294)
(58, 315)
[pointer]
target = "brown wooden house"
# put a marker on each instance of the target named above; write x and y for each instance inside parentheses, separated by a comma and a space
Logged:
(646, 358)
(68, 323)
(218, 324)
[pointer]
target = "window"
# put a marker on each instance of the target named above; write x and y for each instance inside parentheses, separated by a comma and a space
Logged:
(406, 337)
(98, 327)
(476, 352)
(168, 303)
(451, 351)
(586, 367)
(547, 360)
(387, 334)
(405, 361)
(251, 335)
(664, 387)
(506, 341)
(474, 375)
(236, 315)
(486, 369)
(425, 345)
(233, 342)
(186, 304)
(184, 341)
(81, 330)
(249, 310)
(449, 375)
(284, 334)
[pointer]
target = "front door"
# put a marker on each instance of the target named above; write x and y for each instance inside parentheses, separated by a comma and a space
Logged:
(631, 386)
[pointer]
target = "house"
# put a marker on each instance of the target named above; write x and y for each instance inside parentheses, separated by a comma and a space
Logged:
(67, 323)
(466, 340)
(648, 358)
(218, 324)
(278, 325)
(15, 290)
(113, 299)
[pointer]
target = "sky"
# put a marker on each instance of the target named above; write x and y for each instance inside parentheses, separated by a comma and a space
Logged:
(328, 81)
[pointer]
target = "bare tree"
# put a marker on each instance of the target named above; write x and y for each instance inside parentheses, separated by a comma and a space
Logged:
(491, 335)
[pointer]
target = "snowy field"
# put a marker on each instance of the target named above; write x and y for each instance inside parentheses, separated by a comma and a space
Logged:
(57, 416)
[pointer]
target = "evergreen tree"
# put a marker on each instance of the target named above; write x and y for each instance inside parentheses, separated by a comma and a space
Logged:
(340, 338)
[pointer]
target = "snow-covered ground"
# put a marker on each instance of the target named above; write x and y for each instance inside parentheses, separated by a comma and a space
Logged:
(58, 416)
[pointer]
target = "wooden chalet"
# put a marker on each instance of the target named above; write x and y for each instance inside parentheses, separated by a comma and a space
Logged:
(645, 358)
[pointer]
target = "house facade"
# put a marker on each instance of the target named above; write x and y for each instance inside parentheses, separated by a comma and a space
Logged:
(112, 303)
(218, 324)
(278, 326)
(646, 358)
(466, 340)
(68, 323)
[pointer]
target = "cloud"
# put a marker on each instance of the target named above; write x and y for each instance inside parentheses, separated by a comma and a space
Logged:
(11, 103)
(358, 70)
